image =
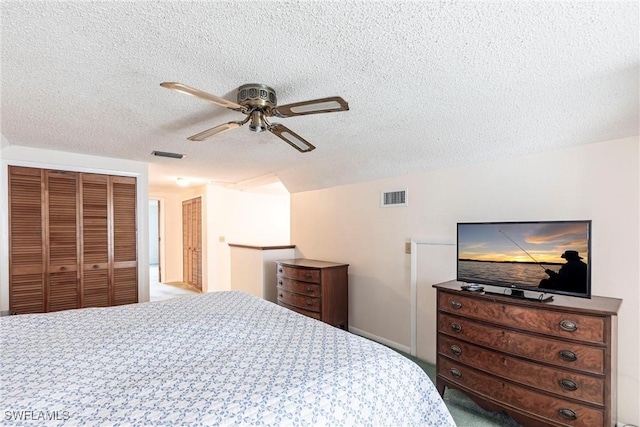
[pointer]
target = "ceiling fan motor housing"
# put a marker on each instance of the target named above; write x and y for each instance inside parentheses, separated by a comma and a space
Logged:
(255, 95)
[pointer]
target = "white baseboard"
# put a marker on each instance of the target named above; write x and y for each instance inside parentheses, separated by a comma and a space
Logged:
(381, 340)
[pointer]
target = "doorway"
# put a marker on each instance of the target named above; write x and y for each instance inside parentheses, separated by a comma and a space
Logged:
(155, 269)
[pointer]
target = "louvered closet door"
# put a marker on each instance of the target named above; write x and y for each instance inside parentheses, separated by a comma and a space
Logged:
(192, 241)
(125, 265)
(186, 241)
(62, 230)
(197, 244)
(95, 240)
(26, 241)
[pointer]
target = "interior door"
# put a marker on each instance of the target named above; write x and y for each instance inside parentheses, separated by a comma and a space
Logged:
(26, 240)
(192, 242)
(125, 265)
(63, 229)
(95, 283)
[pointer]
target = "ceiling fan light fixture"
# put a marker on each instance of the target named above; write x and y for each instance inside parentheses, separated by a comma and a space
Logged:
(258, 122)
(182, 182)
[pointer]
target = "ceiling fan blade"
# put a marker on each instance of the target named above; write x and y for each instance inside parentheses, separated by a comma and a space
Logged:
(179, 87)
(214, 131)
(323, 105)
(291, 138)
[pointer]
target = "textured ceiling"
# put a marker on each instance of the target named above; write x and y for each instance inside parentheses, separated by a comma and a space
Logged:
(429, 84)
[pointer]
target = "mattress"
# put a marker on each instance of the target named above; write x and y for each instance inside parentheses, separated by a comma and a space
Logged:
(220, 358)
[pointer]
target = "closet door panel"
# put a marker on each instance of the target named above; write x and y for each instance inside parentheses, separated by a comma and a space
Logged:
(192, 241)
(62, 232)
(125, 266)
(125, 286)
(26, 240)
(197, 243)
(96, 290)
(186, 241)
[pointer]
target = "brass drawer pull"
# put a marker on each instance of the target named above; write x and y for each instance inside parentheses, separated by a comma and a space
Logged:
(96, 266)
(568, 326)
(456, 304)
(568, 384)
(309, 303)
(568, 356)
(63, 268)
(456, 350)
(309, 289)
(455, 373)
(568, 414)
(308, 275)
(456, 327)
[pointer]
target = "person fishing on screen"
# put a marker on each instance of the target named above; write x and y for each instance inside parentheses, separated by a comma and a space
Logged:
(571, 277)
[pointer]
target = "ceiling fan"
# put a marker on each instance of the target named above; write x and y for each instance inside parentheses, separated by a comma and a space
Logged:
(258, 102)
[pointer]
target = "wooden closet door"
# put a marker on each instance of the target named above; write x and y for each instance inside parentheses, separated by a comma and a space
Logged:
(62, 231)
(94, 279)
(26, 240)
(192, 242)
(125, 265)
(187, 233)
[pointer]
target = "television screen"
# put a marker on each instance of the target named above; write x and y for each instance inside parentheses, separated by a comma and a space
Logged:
(544, 256)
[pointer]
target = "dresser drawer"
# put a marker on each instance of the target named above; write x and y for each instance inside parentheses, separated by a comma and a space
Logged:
(554, 380)
(298, 287)
(312, 314)
(299, 273)
(551, 408)
(574, 326)
(307, 303)
(558, 352)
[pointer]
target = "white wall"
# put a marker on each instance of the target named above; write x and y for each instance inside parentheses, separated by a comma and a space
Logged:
(48, 159)
(241, 217)
(599, 181)
(234, 216)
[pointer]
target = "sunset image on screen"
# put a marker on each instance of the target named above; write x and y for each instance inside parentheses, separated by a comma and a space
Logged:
(542, 243)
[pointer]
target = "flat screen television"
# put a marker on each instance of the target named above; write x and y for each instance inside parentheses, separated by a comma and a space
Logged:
(544, 256)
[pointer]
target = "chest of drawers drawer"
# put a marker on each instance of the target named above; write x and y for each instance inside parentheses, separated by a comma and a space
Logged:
(563, 382)
(304, 288)
(298, 273)
(538, 348)
(557, 324)
(305, 302)
(546, 408)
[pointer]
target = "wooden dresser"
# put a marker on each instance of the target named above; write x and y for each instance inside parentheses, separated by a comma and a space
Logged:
(544, 363)
(318, 289)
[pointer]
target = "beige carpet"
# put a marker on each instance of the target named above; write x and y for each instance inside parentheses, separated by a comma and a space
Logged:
(161, 291)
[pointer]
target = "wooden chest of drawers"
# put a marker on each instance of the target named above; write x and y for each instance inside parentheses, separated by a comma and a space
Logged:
(545, 364)
(318, 289)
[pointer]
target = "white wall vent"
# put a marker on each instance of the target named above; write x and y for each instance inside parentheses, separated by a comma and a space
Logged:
(393, 198)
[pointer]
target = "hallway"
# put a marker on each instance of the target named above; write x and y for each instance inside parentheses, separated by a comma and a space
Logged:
(160, 291)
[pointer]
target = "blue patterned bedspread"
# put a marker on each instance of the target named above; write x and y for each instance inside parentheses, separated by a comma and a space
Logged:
(221, 358)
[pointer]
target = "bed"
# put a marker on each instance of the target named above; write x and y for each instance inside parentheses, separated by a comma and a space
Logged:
(220, 358)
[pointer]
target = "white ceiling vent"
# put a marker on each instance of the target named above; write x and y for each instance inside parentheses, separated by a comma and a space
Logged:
(393, 198)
